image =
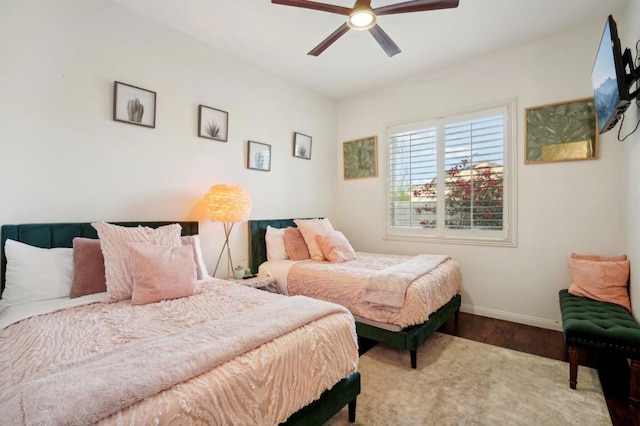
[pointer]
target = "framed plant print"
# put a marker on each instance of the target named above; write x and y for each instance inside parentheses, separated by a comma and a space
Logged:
(134, 105)
(301, 146)
(563, 131)
(213, 123)
(360, 158)
(258, 156)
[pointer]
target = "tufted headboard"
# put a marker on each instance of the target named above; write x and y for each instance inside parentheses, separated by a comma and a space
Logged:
(50, 235)
(257, 243)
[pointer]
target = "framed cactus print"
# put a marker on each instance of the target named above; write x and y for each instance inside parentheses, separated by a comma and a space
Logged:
(301, 146)
(258, 156)
(360, 158)
(213, 123)
(563, 131)
(134, 105)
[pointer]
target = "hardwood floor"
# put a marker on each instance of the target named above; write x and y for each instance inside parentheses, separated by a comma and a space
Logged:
(613, 372)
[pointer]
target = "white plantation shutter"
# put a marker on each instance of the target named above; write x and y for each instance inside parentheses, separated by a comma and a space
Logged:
(476, 148)
(412, 163)
(449, 178)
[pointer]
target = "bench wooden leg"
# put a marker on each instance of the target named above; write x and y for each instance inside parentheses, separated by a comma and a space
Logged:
(634, 388)
(574, 357)
(414, 358)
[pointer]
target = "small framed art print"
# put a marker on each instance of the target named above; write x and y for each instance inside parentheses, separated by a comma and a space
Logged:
(259, 156)
(213, 123)
(134, 105)
(301, 146)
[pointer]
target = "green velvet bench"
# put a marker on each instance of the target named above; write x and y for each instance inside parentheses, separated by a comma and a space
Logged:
(600, 326)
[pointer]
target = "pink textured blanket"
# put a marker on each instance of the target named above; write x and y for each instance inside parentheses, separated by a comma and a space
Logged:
(345, 283)
(89, 389)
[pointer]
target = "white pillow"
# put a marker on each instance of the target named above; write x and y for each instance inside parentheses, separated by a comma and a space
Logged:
(35, 273)
(114, 240)
(194, 240)
(309, 229)
(275, 244)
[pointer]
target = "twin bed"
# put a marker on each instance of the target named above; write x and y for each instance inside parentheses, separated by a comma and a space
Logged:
(226, 355)
(431, 298)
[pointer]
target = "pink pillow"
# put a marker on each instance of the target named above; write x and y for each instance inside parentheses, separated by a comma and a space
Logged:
(605, 281)
(161, 272)
(335, 247)
(294, 244)
(114, 240)
(88, 268)
(598, 258)
(310, 228)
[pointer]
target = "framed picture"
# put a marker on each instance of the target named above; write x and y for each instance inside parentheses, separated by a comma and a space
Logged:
(134, 105)
(301, 146)
(563, 131)
(213, 123)
(360, 158)
(258, 156)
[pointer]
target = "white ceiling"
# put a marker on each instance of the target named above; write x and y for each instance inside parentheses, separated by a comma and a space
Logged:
(277, 38)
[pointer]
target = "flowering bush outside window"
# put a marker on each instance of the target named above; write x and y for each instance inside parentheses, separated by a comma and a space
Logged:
(473, 197)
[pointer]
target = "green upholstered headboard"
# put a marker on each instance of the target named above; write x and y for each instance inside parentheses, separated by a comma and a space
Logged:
(49, 235)
(257, 243)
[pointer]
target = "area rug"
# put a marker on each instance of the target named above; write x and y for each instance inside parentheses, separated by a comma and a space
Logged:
(463, 382)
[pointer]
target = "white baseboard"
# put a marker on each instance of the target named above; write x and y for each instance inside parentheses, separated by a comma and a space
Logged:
(510, 316)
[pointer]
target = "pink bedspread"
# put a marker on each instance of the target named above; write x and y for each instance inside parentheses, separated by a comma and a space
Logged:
(260, 386)
(345, 283)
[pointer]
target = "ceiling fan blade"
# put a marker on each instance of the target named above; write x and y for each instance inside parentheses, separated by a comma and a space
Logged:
(315, 5)
(362, 4)
(330, 40)
(415, 6)
(384, 41)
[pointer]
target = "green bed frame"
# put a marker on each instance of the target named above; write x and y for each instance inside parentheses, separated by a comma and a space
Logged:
(410, 338)
(50, 235)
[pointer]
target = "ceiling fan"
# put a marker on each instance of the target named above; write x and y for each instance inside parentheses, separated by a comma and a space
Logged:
(363, 17)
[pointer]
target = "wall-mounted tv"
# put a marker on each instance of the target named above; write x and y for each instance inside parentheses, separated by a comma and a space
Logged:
(610, 84)
(610, 89)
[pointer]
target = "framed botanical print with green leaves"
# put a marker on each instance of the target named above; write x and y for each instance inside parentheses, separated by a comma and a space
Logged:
(563, 131)
(360, 158)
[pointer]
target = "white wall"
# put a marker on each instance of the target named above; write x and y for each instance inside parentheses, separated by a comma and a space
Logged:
(562, 207)
(62, 158)
(629, 33)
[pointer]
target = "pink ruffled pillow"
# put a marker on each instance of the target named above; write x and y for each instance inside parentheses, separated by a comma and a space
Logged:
(161, 273)
(114, 240)
(335, 247)
(294, 244)
(88, 268)
(602, 280)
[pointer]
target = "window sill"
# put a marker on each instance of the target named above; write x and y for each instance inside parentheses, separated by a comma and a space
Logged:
(474, 241)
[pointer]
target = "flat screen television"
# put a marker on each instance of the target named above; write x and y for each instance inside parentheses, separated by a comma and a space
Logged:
(610, 85)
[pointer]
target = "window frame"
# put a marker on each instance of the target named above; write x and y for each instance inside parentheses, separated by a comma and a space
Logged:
(507, 237)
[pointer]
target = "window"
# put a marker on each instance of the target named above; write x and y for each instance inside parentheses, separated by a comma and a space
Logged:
(450, 179)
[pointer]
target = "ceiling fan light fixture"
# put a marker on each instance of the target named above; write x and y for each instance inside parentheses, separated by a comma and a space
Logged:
(362, 19)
